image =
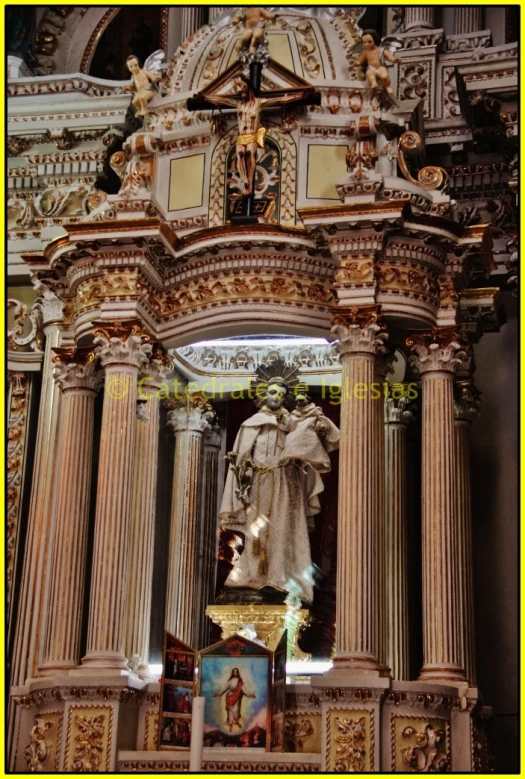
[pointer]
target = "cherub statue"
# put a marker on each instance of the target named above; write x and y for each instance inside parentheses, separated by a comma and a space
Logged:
(143, 79)
(374, 58)
(254, 20)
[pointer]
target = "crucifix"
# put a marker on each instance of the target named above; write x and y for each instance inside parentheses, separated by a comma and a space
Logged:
(250, 102)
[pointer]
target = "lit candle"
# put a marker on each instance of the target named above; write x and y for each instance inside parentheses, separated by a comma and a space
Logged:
(197, 734)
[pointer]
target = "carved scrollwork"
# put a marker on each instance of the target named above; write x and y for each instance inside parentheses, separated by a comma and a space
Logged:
(37, 750)
(427, 755)
(429, 177)
(22, 318)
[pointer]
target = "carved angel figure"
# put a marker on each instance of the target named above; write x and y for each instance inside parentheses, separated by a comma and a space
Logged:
(375, 58)
(143, 79)
(254, 20)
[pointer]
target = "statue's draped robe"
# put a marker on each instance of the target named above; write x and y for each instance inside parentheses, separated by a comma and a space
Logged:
(283, 500)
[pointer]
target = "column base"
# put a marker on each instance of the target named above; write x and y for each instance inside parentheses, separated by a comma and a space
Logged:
(56, 668)
(446, 672)
(359, 662)
(102, 659)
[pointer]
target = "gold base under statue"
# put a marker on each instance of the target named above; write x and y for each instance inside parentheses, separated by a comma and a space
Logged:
(268, 622)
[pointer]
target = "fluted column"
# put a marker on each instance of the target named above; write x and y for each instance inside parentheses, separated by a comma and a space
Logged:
(397, 417)
(466, 409)
(215, 11)
(467, 18)
(77, 377)
(122, 352)
(208, 537)
(29, 639)
(360, 339)
(382, 367)
(419, 18)
(188, 421)
(142, 532)
(192, 19)
(28, 642)
(436, 357)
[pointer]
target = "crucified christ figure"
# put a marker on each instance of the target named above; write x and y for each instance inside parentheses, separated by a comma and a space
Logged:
(251, 134)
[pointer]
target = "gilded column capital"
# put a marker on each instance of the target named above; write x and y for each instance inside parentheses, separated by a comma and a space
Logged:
(439, 351)
(398, 411)
(157, 371)
(192, 413)
(467, 401)
(122, 343)
(77, 368)
(358, 331)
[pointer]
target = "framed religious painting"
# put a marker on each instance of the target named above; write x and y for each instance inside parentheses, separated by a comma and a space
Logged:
(235, 680)
(176, 694)
(279, 693)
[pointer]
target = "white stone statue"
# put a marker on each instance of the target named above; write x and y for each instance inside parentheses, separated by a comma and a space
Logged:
(273, 486)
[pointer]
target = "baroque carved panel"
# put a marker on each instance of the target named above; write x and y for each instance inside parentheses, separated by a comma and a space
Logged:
(419, 744)
(350, 739)
(88, 739)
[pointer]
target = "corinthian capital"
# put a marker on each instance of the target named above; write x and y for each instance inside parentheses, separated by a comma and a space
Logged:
(438, 351)
(49, 305)
(196, 420)
(467, 401)
(397, 411)
(357, 331)
(77, 368)
(122, 343)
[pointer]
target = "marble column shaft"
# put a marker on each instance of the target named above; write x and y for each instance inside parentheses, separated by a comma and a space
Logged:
(465, 410)
(79, 384)
(397, 417)
(467, 18)
(142, 533)
(358, 555)
(436, 364)
(28, 645)
(121, 358)
(188, 424)
(419, 17)
(208, 537)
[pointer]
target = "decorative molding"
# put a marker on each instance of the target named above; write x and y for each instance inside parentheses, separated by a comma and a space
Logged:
(19, 399)
(419, 744)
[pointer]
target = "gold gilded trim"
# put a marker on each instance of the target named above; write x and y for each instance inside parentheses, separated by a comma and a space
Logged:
(95, 38)
(357, 209)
